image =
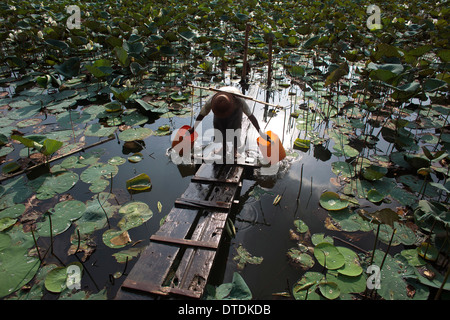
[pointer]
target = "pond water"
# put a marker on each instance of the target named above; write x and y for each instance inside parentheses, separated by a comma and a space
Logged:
(262, 228)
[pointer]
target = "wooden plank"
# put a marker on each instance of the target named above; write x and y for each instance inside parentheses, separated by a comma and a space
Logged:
(181, 253)
(194, 269)
(212, 180)
(202, 204)
(184, 242)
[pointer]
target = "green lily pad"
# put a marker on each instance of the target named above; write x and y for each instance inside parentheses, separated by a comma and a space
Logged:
(48, 185)
(329, 290)
(98, 171)
(55, 281)
(116, 161)
(16, 269)
(304, 260)
(134, 214)
(317, 238)
(329, 256)
(6, 222)
(134, 134)
(374, 172)
(302, 227)
(10, 167)
(62, 216)
(374, 196)
(351, 266)
(332, 201)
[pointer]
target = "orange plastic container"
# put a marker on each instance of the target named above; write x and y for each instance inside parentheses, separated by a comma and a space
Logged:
(271, 151)
(179, 144)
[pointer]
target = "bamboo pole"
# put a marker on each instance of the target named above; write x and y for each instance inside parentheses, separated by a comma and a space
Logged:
(239, 95)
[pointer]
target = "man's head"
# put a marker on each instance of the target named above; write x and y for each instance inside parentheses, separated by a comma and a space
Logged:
(223, 104)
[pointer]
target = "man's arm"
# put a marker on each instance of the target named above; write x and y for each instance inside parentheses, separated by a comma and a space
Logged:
(255, 123)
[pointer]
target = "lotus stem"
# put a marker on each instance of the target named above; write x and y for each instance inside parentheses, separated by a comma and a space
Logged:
(387, 250)
(35, 244)
(375, 244)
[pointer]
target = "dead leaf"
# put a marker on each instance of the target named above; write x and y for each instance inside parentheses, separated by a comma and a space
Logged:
(329, 224)
(121, 239)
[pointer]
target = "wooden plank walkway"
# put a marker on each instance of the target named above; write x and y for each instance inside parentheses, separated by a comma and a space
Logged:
(181, 253)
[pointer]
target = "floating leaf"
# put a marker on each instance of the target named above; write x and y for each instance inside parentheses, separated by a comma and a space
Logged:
(16, 269)
(116, 238)
(351, 266)
(302, 227)
(374, 196)
(62, 216)
(98, 171)
(141, 182)
(329, 290)
(243, 257)
(304, 260)
(332, 201)
(10, 167)
(55, 281)
(136, 157)
(328, 256)
(49, 185)
(134, 214)
(134, 134)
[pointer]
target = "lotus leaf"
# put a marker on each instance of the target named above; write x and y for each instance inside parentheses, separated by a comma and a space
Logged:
(134, 134)
(328, 256)
(303, 259)
(49, 185)
(243, 257)
(141, 182)
(116, 238)
(62, 216)
(98, 171)
(134, 214)
(332, 201)
(352, 266)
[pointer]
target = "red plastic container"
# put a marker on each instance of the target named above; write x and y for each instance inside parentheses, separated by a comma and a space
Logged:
(271, 151)
(181, 143)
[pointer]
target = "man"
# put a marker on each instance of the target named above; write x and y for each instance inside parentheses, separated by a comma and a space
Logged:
(228, 110)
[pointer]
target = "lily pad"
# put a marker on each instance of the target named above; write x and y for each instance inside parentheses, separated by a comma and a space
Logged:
(98, 171)
(49, 185)
(243, 257)
(116, 238)
(135, 134)
(62, 216)
(351, 266)
(16, 269)
(304, 260)
(141, 182)
(55, 281)
(329, 290)
(332, 201)
(329, 256)
(134, 214)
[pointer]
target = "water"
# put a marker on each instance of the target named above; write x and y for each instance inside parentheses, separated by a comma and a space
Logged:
(263, 228)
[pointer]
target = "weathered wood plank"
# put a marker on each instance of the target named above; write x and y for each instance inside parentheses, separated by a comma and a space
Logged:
(181, 254)
(185, 242)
